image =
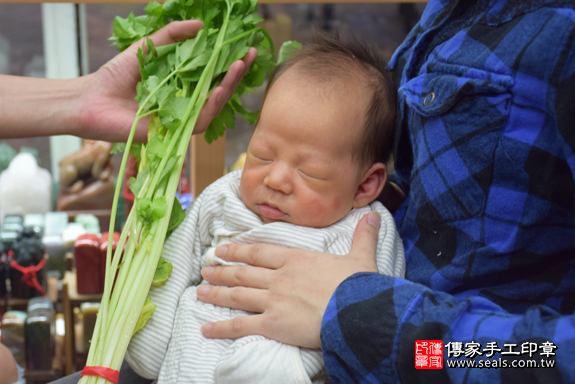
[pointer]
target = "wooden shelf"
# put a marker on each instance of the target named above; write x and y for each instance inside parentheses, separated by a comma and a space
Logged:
(16, 302)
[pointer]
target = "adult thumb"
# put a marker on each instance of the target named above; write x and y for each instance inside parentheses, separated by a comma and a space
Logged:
(364, 244)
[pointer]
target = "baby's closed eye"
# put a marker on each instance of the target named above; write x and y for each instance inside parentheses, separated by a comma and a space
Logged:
(312, 175)
(260, 157)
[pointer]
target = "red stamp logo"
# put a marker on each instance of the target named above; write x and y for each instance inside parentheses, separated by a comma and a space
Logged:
(429, 354)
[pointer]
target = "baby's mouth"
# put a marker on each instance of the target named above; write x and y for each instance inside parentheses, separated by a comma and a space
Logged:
(270, 211)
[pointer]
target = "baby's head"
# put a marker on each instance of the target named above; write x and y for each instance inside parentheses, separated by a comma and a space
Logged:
(323, 136)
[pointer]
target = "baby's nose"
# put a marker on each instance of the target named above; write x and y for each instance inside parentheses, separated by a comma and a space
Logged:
(279, 179)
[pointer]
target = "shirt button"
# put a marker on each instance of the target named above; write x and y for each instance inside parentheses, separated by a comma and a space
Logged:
(429, 99)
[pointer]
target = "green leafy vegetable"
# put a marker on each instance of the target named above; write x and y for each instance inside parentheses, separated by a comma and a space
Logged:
(178, 215)
(121, 147)
(151, 210)
(163, 271)
(287, 50)
(219, 124)
(147, 311)
(118, 147)
(137, 184)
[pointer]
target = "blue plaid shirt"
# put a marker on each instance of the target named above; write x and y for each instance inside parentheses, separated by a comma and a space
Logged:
(484, 150)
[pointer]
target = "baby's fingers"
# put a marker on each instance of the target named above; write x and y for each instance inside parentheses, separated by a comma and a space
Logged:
(234, 328)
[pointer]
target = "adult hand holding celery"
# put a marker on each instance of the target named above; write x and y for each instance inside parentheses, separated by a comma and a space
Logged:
(176, 82)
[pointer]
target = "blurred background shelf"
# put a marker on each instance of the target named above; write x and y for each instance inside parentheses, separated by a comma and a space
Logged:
(13, 304)
(74, 360)
(18, 304)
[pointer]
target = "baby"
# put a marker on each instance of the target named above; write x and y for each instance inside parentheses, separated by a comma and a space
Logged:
(314, 166)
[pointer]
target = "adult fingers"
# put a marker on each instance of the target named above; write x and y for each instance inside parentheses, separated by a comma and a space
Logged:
(259, 255)
(234, 328)
(141, 135)
(364, 244)
(171, 33)
(222, 93)
(247, 299)
(176, 31)
(127, 61)
(233, 276)
(218, 98)
(230, 83)
(124, 67)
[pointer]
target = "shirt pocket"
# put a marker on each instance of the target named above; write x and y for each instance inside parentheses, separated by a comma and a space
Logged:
(455, 117)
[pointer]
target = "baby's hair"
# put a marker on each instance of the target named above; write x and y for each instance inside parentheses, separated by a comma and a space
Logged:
(329, 57)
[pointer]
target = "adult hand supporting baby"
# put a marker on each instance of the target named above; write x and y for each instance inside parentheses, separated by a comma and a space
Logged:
(288, 288)
(101, 105)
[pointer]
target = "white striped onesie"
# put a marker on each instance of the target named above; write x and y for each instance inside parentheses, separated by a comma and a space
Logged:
(171, 347)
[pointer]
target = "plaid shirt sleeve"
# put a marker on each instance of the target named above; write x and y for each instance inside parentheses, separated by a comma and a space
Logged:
(485, 153)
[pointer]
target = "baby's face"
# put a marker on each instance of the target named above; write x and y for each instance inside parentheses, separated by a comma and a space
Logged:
(299, 167)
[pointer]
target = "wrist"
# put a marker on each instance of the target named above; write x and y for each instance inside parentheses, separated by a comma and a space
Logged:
(75, 118)
(68, 104)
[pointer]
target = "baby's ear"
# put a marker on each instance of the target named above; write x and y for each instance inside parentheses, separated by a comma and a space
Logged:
(370, 185)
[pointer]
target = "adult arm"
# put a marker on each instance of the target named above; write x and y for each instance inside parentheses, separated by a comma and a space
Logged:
(7, 366)
(101, 105)
(395, 313)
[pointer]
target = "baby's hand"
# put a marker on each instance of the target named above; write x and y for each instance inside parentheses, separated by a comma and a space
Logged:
(289, 289)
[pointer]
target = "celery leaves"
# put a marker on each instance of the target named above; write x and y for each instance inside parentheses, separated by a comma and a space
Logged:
(136, 184)
(163, 271)
(219, 124)
(147, 311)
(178, 215)
(287, 50)
(178, 67)
(151, 210)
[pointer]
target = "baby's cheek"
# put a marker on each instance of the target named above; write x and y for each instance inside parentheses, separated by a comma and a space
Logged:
(248, 188)
(336, 204)
(316, 209)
